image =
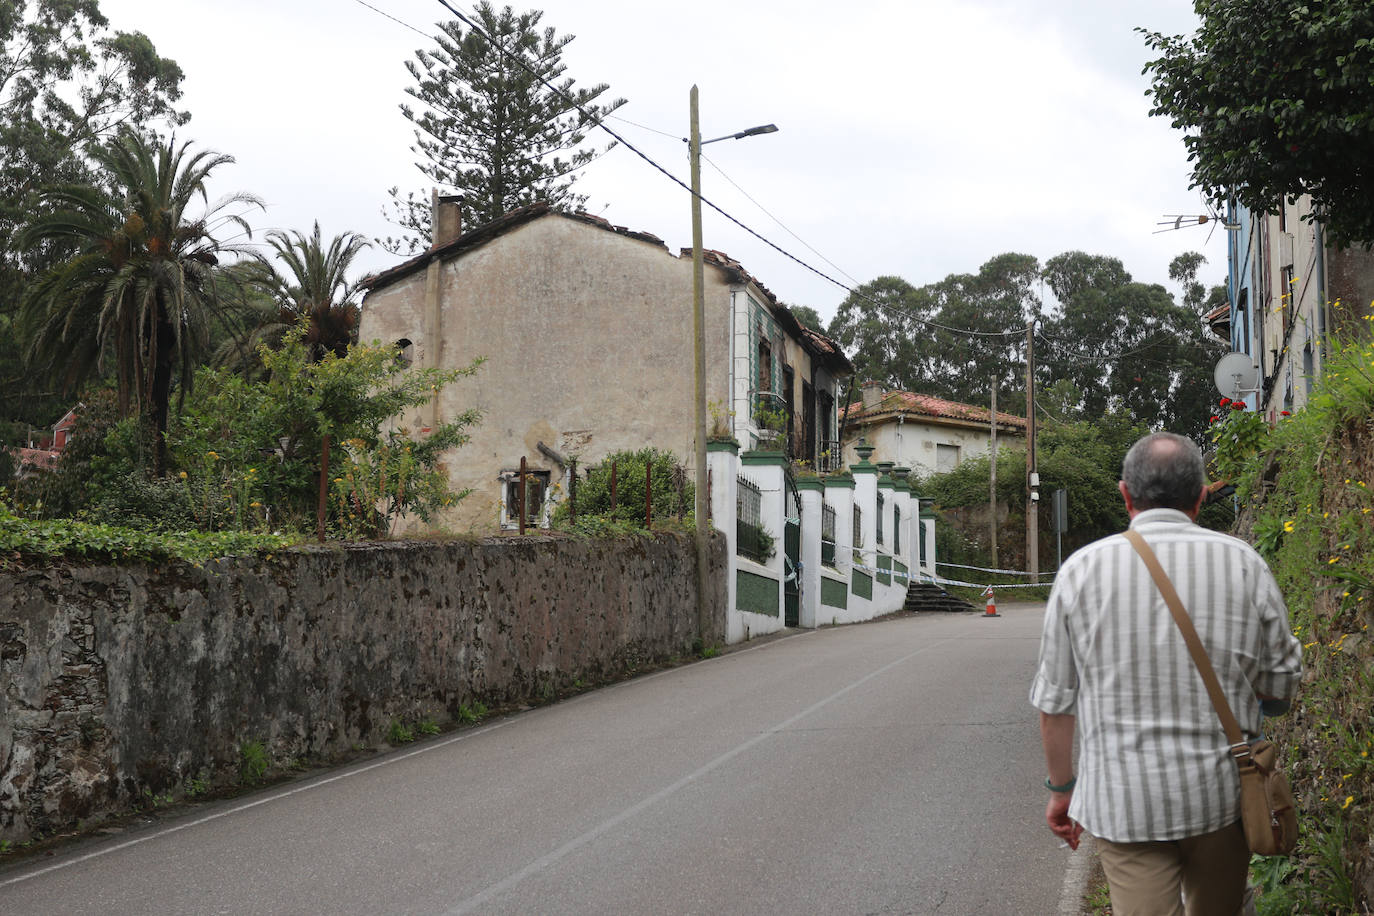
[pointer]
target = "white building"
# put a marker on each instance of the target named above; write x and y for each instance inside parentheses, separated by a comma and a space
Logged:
(927, 434)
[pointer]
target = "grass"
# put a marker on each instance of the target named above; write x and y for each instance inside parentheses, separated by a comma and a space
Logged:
(253, 762)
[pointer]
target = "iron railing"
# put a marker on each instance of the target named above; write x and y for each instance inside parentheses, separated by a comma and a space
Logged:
(829, 456)
(828, 536)
(751, 540)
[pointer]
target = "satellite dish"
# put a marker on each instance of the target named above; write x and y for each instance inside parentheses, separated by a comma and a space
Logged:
(1236, 376)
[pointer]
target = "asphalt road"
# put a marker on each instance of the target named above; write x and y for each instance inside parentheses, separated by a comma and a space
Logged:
(891, 767)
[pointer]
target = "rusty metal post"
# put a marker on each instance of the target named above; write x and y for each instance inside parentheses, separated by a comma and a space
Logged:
(648, 494)
(521, 491)
(324, 489)
(572, 492)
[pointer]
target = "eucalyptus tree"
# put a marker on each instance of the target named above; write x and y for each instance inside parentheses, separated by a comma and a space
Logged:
(137, 290)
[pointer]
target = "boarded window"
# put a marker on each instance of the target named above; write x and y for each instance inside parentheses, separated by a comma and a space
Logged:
(535, 498)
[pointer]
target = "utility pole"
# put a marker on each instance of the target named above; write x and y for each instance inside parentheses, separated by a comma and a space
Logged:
(1032, 475)
(992, 482)
(699, 372)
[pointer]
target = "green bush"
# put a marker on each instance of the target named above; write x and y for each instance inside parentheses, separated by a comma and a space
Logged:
(25, 539)
(1307, 492)
(138, 501)
(248, 451)
(672, 492)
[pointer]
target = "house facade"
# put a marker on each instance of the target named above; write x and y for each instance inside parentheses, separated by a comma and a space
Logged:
(44, 454)
(1288, 291)
(929, 435)
(586, 329)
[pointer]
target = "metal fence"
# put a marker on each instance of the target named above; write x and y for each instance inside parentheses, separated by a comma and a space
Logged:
(880, 519)
(828, 536)
(829, 456)
(751, 540)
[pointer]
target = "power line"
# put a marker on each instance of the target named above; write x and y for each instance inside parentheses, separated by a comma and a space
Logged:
(394, 19)
(520, 61)
(778, 221)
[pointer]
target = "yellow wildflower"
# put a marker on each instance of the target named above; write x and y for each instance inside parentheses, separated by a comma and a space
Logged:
(1288, 525)
(1346, 803)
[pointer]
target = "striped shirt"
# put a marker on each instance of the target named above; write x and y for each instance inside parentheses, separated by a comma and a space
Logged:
(1153, 760)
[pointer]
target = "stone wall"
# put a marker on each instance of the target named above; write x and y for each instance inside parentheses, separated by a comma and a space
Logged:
(120, 684)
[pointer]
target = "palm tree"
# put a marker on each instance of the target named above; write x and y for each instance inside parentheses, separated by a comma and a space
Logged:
(313, 287)
(139, 287)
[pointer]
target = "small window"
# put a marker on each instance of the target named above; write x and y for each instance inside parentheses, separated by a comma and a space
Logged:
(405, 352)
(536, 499)
(946, 458)
(765, 379)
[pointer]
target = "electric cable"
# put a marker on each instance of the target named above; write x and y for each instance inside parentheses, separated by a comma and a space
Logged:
(599, 122)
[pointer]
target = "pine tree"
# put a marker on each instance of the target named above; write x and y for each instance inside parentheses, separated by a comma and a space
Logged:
(488, 128)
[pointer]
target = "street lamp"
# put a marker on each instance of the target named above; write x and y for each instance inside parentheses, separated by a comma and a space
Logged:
(694, 145)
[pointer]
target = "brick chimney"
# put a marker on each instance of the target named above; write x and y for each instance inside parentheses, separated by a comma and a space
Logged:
(446, 219)
(872, 393)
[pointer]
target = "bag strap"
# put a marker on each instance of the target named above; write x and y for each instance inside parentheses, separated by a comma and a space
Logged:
(1190, 637)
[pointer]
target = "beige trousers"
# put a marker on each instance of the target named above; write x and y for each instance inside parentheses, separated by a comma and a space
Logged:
(1157, 878)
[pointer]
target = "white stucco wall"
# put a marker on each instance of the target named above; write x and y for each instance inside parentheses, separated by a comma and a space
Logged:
(912, 442)
(588, 340)
(587, 335)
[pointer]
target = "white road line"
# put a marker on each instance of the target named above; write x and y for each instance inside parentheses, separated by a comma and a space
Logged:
(544, 861)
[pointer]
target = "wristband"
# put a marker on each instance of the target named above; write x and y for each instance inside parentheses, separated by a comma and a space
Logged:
(1066, 787)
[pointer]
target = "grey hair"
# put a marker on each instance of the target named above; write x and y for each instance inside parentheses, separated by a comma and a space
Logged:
(1164, 471)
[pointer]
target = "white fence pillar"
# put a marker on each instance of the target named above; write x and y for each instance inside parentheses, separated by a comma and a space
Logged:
(906, 529)
(759, 599)
(887, 596)
(836, 599)
(811, 491)
(863, 578)
(722, 465)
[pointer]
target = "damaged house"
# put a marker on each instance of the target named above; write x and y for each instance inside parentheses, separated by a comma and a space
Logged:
(587, 332)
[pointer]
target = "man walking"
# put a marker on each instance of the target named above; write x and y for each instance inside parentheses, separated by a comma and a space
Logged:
(1156, 785)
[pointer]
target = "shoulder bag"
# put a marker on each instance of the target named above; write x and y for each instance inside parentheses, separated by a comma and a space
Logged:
(1267, 808)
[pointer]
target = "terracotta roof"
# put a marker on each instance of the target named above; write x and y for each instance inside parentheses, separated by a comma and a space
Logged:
(895, 402)
(1221, 311)
(38, 457)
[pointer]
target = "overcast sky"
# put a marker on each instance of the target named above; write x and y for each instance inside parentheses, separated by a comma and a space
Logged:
(916, 138)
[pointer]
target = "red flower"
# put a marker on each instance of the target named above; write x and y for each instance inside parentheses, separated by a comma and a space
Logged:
(1224, 402)
(1214, 418)
(1284, 413)
(1237, 405)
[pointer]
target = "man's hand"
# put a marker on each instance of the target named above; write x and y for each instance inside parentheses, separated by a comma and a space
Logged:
(1061, 825)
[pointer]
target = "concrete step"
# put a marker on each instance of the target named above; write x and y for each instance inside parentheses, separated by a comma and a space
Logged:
(923, 596)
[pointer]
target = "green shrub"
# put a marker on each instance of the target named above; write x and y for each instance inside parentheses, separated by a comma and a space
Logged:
(1307, 491)
(672, 492)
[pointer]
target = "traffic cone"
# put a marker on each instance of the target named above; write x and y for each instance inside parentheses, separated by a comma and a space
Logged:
(992, 603)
